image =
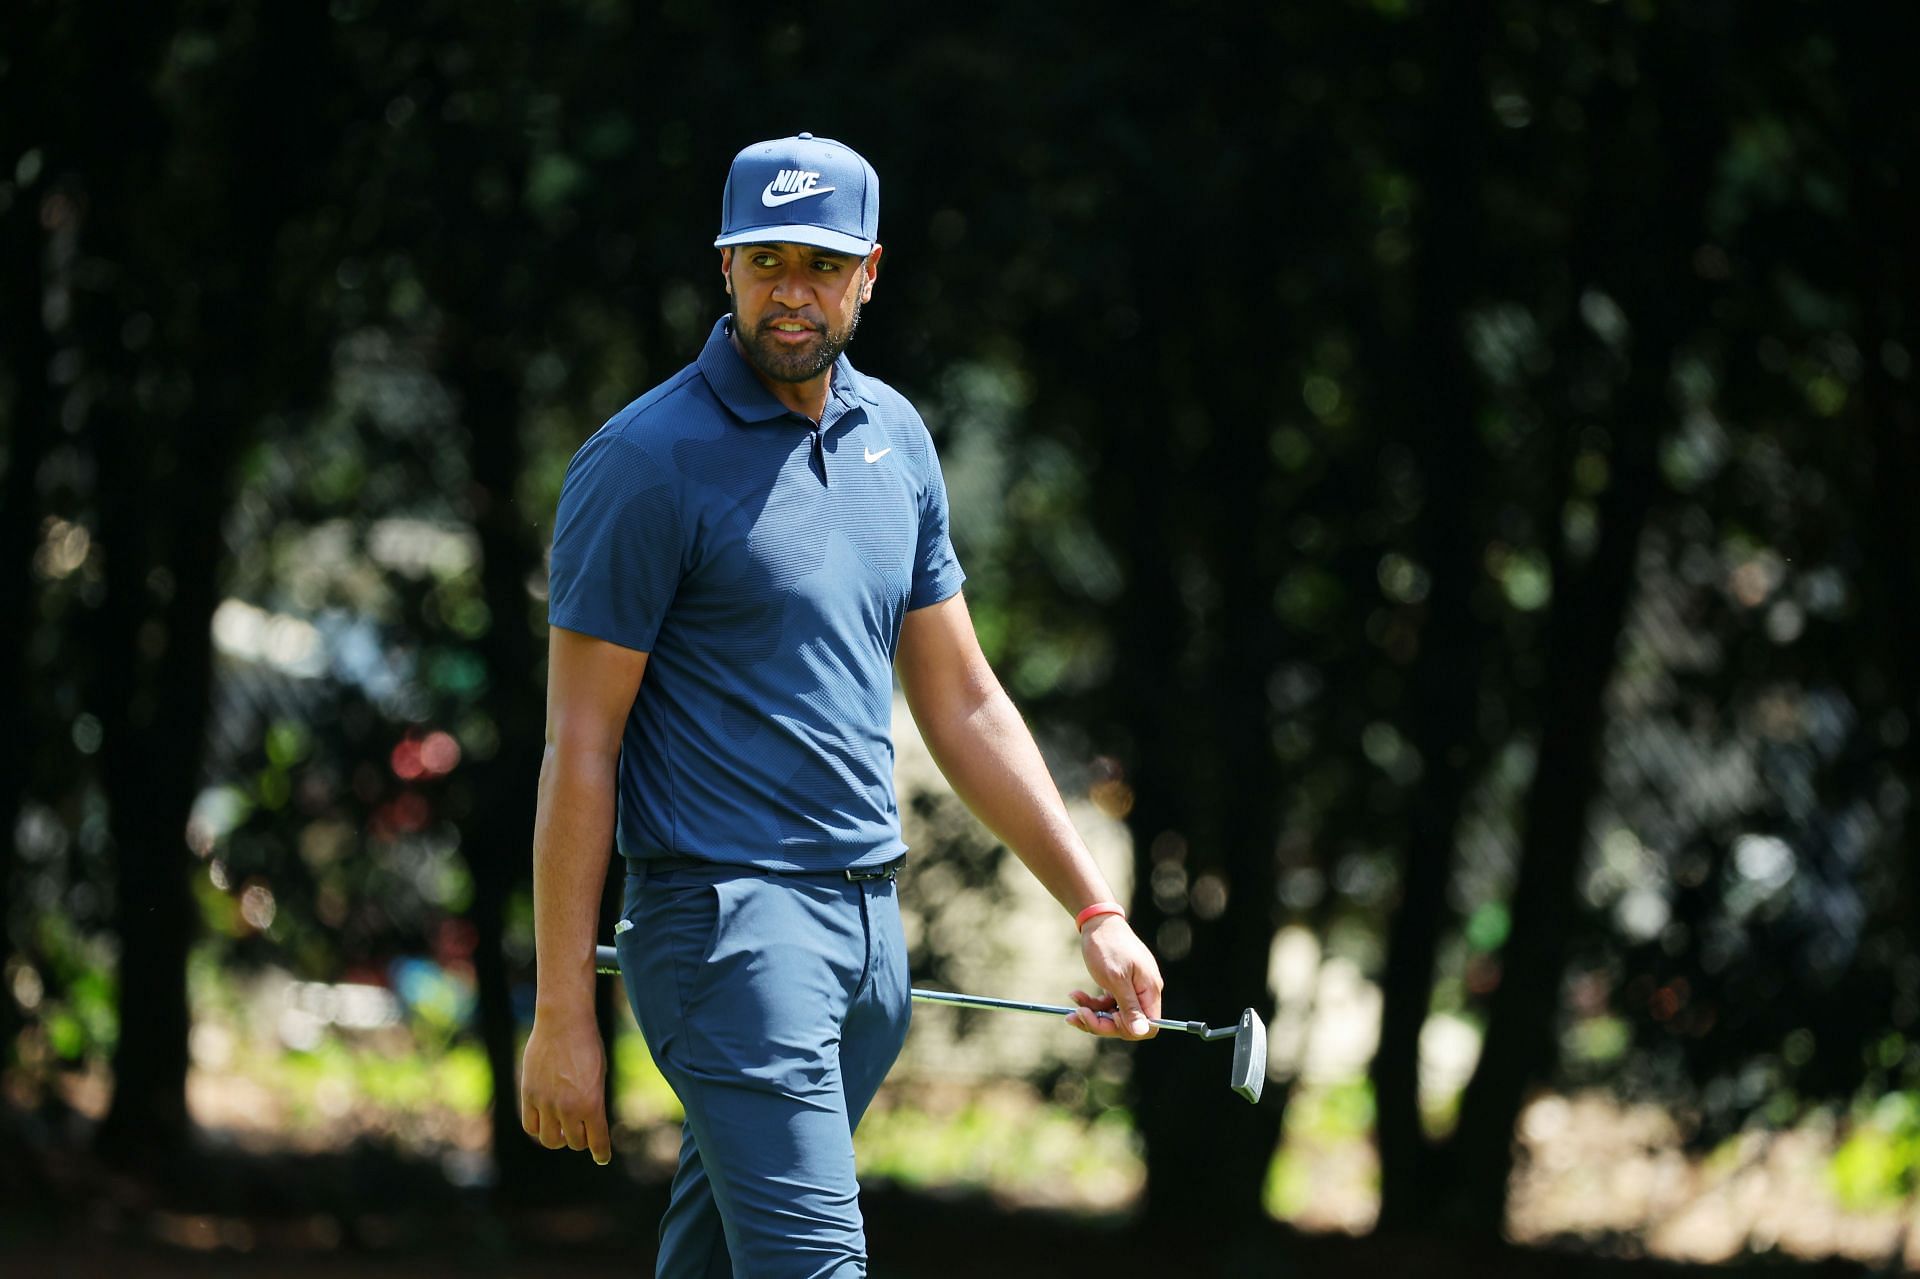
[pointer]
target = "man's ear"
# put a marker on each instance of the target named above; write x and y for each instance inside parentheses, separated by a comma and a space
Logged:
(726, 270)
(871, 268)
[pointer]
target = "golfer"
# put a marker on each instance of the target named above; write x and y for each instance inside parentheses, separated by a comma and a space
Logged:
(744, 558)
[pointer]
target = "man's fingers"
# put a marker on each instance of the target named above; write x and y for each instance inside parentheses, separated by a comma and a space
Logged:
(1088, 1016)
(1132, 1021)
(1126, 1015)
(546, 1126)
(1095, 1016)
(1148, 983)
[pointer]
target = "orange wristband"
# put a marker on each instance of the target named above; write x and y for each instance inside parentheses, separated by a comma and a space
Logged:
(1096, 910)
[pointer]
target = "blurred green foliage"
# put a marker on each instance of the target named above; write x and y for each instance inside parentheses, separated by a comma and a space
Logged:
(1879, 1163)
(1035, 1151)
(644, 1097)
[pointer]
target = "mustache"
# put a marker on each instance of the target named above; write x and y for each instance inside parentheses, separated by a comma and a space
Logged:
(794, 317)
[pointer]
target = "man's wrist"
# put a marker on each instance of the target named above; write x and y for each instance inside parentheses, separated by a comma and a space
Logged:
(570, 1003)
(1098, 910)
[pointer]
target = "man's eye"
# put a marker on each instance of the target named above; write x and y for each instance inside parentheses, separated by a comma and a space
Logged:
(764, 260)
(823, 265)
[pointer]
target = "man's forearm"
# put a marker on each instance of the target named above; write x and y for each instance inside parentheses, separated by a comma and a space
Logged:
(572, 836)
(989, 757)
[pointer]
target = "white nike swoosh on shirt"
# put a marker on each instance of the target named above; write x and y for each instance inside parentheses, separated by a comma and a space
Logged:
(772, 201)
(873, 457)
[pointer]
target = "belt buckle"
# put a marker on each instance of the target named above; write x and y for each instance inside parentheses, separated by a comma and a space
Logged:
(886, 872)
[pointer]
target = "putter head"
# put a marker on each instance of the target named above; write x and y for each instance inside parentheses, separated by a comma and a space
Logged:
(1249, 1056)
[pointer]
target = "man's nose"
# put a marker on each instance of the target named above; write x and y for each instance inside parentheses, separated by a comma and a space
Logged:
(792, 290)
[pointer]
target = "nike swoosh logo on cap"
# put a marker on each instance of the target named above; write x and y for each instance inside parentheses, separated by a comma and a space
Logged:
(772, 201)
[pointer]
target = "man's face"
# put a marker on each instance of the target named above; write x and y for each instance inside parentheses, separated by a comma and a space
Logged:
(795, 307)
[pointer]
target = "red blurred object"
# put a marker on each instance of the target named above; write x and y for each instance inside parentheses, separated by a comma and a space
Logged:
(406, 761)
(416, 758)
(439, 754)
(404, 814)
(454, 940)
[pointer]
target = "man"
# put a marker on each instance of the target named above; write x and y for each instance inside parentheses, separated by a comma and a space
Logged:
(743, 559)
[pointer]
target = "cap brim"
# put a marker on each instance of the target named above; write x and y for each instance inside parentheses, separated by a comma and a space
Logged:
(818, 237)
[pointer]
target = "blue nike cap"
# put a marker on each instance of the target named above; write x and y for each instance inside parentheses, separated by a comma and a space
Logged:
(801, 190)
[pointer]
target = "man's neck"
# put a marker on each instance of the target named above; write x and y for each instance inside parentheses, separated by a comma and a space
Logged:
(808, 398)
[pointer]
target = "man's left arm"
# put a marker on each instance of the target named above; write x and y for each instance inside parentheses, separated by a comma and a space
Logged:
(983, 746)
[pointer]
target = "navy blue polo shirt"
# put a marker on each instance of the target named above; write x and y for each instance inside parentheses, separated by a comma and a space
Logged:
(766, 568)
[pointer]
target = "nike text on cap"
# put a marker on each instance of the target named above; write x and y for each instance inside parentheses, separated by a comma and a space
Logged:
(801, 190)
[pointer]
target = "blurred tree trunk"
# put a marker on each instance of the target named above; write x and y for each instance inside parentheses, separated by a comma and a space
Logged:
(1205, 815)
(1185, 502)
(1655, 138)
(248, 342)
(498, 843)
(1232, 952)
(1147, 687)
(1438, 402)
(1187, 1119)
(161, 520)
(496, 286)
(26, 353)
(116, 174)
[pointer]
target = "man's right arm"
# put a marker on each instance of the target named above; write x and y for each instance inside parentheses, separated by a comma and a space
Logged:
(591, 685)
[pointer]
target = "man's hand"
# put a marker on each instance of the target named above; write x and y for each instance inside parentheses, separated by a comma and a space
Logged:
(1123, 965)
(563, 1085)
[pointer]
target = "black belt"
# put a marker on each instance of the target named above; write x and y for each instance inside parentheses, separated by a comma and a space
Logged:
(852, 874)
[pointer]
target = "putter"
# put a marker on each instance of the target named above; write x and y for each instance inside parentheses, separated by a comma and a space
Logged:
(1248, 1072)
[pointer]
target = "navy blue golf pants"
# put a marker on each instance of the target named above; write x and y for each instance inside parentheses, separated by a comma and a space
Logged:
(774, 1005)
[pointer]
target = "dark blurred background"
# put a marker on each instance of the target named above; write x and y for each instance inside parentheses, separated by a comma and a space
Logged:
(1445, 478)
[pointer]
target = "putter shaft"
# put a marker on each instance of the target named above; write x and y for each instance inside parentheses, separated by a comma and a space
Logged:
(1058, 1010)
(607, 960)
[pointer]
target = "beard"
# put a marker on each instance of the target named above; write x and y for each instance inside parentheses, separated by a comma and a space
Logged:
(779, 363)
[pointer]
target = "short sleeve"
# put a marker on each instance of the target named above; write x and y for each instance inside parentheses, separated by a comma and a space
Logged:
(617, 544)
(936, 569)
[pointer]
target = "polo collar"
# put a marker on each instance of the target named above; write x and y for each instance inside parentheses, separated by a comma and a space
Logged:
(734, 382)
